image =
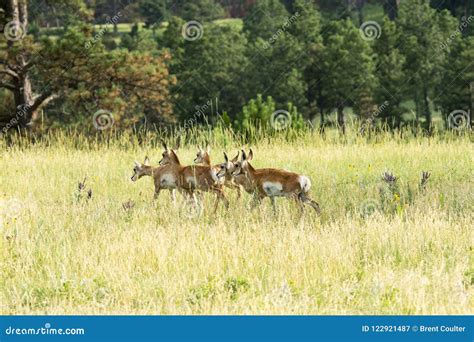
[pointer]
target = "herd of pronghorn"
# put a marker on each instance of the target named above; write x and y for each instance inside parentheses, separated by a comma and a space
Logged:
(232, 173)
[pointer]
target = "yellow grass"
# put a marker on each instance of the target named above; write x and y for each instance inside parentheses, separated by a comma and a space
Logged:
(410, 253)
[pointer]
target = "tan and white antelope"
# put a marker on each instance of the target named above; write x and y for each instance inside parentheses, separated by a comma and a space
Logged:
(275, 183)
(163, 177)
(193, 178)
(227, 169)
(203, 158)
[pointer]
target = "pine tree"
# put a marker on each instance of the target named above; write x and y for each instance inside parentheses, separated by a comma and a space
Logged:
(264, 19)
(455, 92)
(422, 28)
(390, 75)
(347, 64)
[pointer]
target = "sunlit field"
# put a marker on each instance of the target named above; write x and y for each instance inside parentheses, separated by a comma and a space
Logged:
(379, 246)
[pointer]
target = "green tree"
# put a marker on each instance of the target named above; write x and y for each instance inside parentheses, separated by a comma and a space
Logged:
(456, 88)
(276, 70)
(390, 75)
(81, 76)
(199, 10)
(154, 11)
(262, 114)
(347, 70)
(207, 69)
(264, 19)
(138, 40)
(306, 28)
(420, 44)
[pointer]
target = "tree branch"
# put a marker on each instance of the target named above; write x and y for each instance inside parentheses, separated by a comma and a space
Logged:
(10, 73)
(41, 101)
(7, 86)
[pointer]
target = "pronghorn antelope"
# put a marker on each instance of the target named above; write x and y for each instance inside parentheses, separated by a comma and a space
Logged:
(227, 169)
(203, 157)
(163, 177)
(193, 177)
(275, 183)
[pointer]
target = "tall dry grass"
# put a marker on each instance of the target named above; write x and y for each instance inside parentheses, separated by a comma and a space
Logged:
(376, 249)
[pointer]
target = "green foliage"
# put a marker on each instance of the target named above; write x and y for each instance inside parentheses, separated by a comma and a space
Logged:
(139, 40)
(101, 79)
(277, 69)
(307, 24)
(259, 113)
(390, 75)
(154, 11)
(202, 292)
(199, 10)
(422, 29)
(264, 19)
(458, 76)
(236, 286)
(206, 69)
(285, 50)
(347, 63)
(256, 113)
(226, 120)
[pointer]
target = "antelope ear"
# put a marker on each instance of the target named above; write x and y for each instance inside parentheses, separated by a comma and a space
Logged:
(250, 157)
(137, 163)
(164, 145)
(174, 154)
(147, 161)
(236, 158)
(225, 157)
(208, 149)
(244, 156)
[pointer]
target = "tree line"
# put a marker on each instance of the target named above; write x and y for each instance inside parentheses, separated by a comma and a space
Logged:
(191, 63)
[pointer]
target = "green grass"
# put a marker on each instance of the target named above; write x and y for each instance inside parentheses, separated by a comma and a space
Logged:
(374, 250)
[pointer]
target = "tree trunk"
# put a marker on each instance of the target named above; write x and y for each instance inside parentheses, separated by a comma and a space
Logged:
(340, 118)
(16, 68)
(360, 11)
(452, 7)
(426, 108)
(115, 21)
(391, 8)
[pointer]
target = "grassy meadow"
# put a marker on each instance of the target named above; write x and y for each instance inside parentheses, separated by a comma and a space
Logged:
(377, 248)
